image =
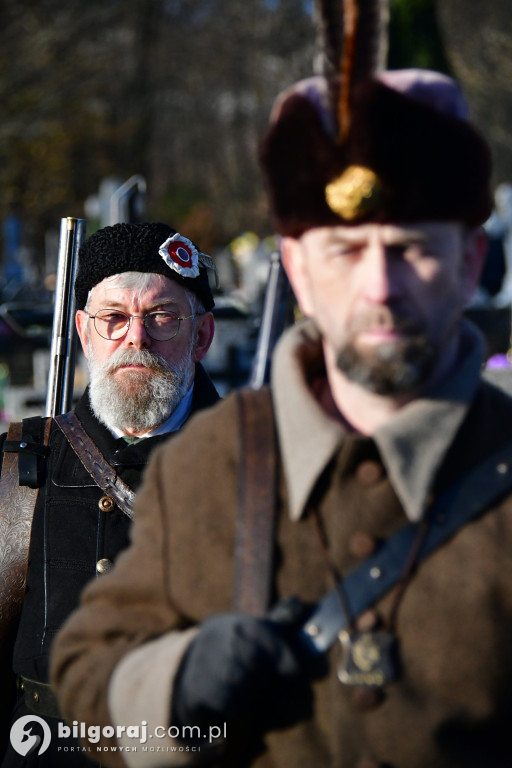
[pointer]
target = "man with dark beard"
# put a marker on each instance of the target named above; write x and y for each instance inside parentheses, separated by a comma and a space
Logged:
(144, 321)
(391, 476)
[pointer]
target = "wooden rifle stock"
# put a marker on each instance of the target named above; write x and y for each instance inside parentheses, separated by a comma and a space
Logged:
(62, 351)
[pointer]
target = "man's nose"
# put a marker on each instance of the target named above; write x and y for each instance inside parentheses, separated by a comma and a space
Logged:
(378, 274)
(137, 335)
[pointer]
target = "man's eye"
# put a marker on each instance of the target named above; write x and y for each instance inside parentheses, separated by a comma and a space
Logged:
(418, 251)
(162, 317)
(345, 250)
(113, 317)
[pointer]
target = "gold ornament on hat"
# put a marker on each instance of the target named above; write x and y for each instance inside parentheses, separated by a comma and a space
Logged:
(354, 194)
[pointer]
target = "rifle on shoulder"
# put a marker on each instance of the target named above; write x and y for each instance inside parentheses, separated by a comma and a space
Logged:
(63, 344)
(277, 310)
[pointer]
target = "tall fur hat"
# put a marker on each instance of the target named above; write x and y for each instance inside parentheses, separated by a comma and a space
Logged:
(409, 154)
(145, 247)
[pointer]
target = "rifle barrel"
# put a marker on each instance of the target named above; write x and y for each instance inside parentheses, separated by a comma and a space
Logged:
(62, 351)
(273, 321)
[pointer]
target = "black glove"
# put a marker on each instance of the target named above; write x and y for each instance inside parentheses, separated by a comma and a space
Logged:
(241, 670)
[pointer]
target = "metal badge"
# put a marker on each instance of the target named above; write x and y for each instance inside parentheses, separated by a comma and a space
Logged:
(354, 194)
(368, 659)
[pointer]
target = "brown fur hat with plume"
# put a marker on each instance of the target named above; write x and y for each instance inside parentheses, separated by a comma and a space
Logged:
(409, 154)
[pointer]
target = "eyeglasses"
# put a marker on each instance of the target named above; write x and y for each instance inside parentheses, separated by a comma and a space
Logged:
(113, 325)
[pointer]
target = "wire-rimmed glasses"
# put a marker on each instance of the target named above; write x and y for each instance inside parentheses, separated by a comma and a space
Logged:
(160, 325)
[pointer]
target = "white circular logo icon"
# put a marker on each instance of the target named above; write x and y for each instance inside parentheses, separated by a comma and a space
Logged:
(24, 741)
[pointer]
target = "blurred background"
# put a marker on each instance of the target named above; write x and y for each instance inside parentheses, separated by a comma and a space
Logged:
(132, 109)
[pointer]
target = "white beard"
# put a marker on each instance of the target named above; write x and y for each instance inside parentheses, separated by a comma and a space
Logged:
(137, 400)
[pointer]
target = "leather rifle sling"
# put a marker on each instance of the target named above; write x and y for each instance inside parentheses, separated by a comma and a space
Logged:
(256, 510)
(95, 463)
(17, 504)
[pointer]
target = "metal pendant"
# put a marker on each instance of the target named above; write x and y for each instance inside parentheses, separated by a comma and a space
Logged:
(368, 659)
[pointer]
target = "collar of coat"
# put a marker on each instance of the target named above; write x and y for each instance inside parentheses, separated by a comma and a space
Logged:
(412, 444)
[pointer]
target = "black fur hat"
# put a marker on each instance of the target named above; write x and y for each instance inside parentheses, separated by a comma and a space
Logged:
(146, 247)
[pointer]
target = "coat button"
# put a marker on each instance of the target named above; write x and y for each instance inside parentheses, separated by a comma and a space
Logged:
(361, 544)
(367, 621)
(367, 699)
(106, 504)
(369, 472)
(104, 565)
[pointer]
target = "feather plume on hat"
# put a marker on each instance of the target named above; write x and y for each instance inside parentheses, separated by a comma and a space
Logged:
(354, 47)
(359, 143)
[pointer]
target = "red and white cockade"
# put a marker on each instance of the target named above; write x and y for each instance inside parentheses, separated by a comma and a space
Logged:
(181, 255)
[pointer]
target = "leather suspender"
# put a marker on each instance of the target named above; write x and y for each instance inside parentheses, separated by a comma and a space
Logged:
(95, 463)
(256, 513)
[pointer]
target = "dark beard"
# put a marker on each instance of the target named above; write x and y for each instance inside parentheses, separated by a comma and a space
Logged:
(138, 400)
(390, 369)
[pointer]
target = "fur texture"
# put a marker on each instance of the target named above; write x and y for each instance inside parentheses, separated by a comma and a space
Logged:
(432, 165)
(131, 248)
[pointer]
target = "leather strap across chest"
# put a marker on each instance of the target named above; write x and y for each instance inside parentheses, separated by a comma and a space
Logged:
(256, 513)
(103, 474)
(466, 500)
(463, 502)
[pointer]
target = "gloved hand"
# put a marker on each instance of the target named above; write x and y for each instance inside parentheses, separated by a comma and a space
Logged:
(241, 669)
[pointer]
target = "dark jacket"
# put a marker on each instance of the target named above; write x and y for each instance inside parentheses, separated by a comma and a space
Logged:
(71, 534)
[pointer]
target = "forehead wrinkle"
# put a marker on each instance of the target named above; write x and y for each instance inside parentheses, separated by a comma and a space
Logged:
(150, 306)
(387, 233)
(137, 285)
(113, 296)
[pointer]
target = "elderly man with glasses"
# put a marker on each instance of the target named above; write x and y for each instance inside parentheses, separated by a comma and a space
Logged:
(144, 321)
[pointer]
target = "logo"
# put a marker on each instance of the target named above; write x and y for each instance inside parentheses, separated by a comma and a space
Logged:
(24, 741)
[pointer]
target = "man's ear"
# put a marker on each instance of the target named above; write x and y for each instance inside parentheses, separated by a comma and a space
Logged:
(292, 255)
(474, 254)
(204, 335)
(81, 320)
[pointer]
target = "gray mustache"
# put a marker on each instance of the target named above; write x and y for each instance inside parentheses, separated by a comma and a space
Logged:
(144, 357)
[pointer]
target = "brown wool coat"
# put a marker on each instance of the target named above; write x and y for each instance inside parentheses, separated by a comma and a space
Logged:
(451, 708)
